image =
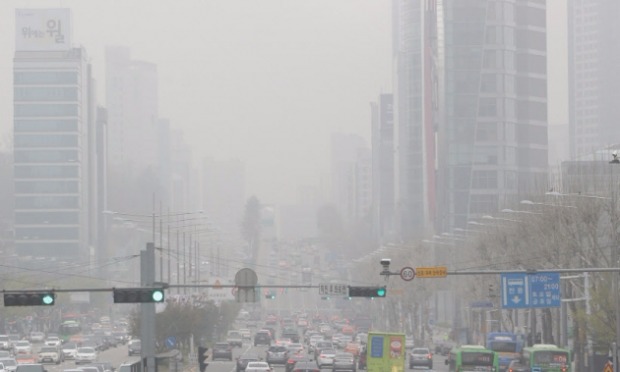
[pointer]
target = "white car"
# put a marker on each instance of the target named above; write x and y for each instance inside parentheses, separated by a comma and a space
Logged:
(257, 367)
(10, 364)
(85, 355)
(22, 347)
(246, 334)
(325, 358)
(69, 350)
(53, 341)
(50, 354)
(37, 336)
(5, 343)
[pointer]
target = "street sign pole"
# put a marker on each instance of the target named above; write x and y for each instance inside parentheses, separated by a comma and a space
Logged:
(147, 318)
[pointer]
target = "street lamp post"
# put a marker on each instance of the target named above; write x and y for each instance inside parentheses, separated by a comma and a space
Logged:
(614, 282)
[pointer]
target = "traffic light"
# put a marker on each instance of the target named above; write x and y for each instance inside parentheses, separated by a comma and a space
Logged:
(30, 299)
(371, 292)
(138, 295)
(202, 358)
(270, 296)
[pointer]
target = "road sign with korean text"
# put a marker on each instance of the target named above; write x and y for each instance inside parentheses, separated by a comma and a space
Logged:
(333, 289)
(431, 272)
(524, 291)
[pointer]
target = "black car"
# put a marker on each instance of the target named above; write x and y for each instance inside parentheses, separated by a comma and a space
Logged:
(222, 350)
(262, 337)
(306, 367)
(277, 355)
(243, 361)
(515, 366)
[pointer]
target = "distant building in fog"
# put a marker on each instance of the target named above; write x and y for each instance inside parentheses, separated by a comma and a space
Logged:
(223, 193)
(493, 133)
(382, 133)
(415, 116)
(350, 176)
(594, 83)
(58, 141)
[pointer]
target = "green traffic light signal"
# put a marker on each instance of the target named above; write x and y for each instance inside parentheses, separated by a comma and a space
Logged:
(381, 292)
(47, 299)
(157, 295)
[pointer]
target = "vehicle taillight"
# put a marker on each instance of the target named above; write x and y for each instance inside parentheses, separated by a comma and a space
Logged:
(429, 356)
(563, 369)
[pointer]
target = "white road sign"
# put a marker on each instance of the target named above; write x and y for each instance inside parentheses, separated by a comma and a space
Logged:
(332, 289)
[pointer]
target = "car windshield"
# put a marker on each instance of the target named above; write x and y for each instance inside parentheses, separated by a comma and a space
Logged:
(420, 351)
(48, 349)
(22, 343)
(8, 362)
(30, 368)
(86, 350)
(69, 345)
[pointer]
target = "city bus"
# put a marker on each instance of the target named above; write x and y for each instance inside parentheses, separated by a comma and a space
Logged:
(472, 358)
(507, 345)
(70, 331)
(547, 358)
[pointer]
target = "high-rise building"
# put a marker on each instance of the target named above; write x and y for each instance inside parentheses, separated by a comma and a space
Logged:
(593, 55)
(415, 115)
(58, 148)
(382, 133)
(223, 193)
(494, 119)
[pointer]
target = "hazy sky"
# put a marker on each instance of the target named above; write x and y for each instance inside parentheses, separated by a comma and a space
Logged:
(264, 81)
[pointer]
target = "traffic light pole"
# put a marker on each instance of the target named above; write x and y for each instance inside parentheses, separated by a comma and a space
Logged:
(147, 316)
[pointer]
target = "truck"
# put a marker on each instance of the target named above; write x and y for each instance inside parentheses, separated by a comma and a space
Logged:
(385, 352)
(507, 345)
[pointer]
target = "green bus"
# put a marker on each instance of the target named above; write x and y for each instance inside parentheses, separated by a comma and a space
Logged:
(472, 358)
(546, 358)
(70, 331)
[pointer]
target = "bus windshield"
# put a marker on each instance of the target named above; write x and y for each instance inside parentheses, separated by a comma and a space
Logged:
(471, 358)
(504, 346)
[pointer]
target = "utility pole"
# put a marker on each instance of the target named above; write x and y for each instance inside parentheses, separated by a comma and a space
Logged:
(147, 316)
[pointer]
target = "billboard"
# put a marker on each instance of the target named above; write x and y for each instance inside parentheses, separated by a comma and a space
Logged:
(42, 29)
(385, 352)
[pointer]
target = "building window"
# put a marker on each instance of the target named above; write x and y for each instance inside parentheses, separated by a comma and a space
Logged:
(54, 140)
(46, 202)
(47, 218)
(484, 180)
(45, 94)
(46, 187)
(46, 171)
(42, 233)
(51, 110)
(45, 78)
(45, 125)
(45, 156)
(483, 204)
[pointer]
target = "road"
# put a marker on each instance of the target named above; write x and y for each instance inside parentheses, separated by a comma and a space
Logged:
(116, 356)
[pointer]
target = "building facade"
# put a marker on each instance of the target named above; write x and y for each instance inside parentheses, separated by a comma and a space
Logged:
(593, 55)
(415, 115)
(494, 119)
(57, 146)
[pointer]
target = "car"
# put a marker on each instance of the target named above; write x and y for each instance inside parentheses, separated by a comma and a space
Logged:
(323, 345)
(234, 338)
(90, 369)
(242, 361)
(5, 354)
(85, 355)
(421, 357)
(353, 348)
(276, 355)
(291, 333)
(257, 367)
(306, 367)
(104, 366)
(344, 362)
(22, 347)
(294, 348)
(30, 367)
(134, 347)
(5, 343)
(25, 359)
(409, 342)
(69, 350)
(325, 358)
(53, 341)
(10, 364)
(293, 359)
(516, 366)
(262, 337)
(222, 350)
(37, 337)
(50, 354)
(246, 334)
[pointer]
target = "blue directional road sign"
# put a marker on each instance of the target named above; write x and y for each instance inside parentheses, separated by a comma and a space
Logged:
(171, 342)
(523, 291)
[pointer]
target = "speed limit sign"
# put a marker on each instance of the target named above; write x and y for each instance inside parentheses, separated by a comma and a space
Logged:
(407, 273)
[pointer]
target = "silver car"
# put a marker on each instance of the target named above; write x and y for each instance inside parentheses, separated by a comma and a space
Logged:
(325, 358)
